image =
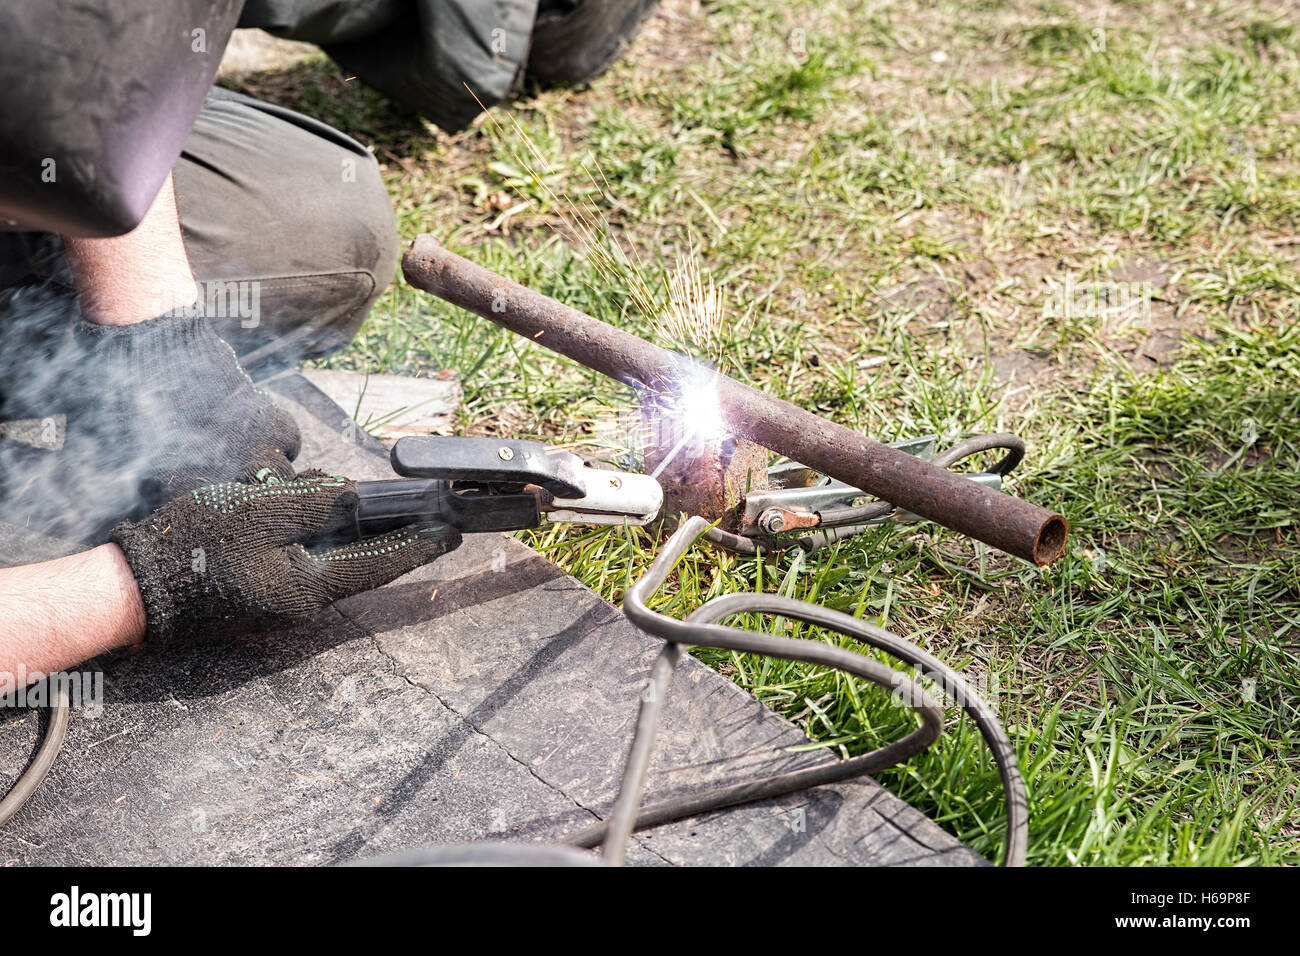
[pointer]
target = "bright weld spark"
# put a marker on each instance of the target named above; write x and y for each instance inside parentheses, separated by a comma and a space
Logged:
(699, 409)
(691, 314)
(695, 311)
(700, 406)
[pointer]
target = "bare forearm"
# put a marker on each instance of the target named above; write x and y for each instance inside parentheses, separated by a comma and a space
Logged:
(56, 614)
(138, 276)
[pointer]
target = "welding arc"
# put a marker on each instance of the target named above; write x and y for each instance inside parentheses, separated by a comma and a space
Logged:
(700, 630)
(1010, 524)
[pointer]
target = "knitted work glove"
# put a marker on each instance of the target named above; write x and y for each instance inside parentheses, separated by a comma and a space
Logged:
(142, 413)
(168, 398)
(232, 557)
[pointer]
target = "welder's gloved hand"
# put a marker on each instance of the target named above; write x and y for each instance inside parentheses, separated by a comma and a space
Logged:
(141, 413)
(169, 398)
(232, 556)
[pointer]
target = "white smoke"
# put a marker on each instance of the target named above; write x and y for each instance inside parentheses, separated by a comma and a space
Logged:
(57, 479)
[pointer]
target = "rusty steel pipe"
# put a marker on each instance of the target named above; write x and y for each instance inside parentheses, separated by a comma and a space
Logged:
(1008, 524)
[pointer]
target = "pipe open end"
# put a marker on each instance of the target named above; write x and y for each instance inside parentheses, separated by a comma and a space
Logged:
(1050, 544)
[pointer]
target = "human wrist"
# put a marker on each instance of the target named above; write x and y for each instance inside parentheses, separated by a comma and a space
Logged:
(161, 576)
(113, 290)
(131, 622)
(59, 613)
(127, 300)
(137, 276)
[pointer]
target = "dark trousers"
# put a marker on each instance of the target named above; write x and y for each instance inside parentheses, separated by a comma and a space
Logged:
(287, 224)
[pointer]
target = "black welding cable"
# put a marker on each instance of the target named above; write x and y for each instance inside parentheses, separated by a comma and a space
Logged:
(1014, 445)
(953, 684)
(613, 834)
(623, 815)
(32, 777)
(699, 630)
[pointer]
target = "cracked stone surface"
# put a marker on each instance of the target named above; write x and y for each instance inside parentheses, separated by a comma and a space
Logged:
(486, 696)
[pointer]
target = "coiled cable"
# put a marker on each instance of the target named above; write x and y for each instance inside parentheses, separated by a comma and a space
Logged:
(700, 630)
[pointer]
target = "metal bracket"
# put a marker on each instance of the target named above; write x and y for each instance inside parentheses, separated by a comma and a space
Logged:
(613, 497)
(801, 499)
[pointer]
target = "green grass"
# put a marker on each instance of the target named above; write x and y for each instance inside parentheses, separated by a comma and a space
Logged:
(910, 183)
